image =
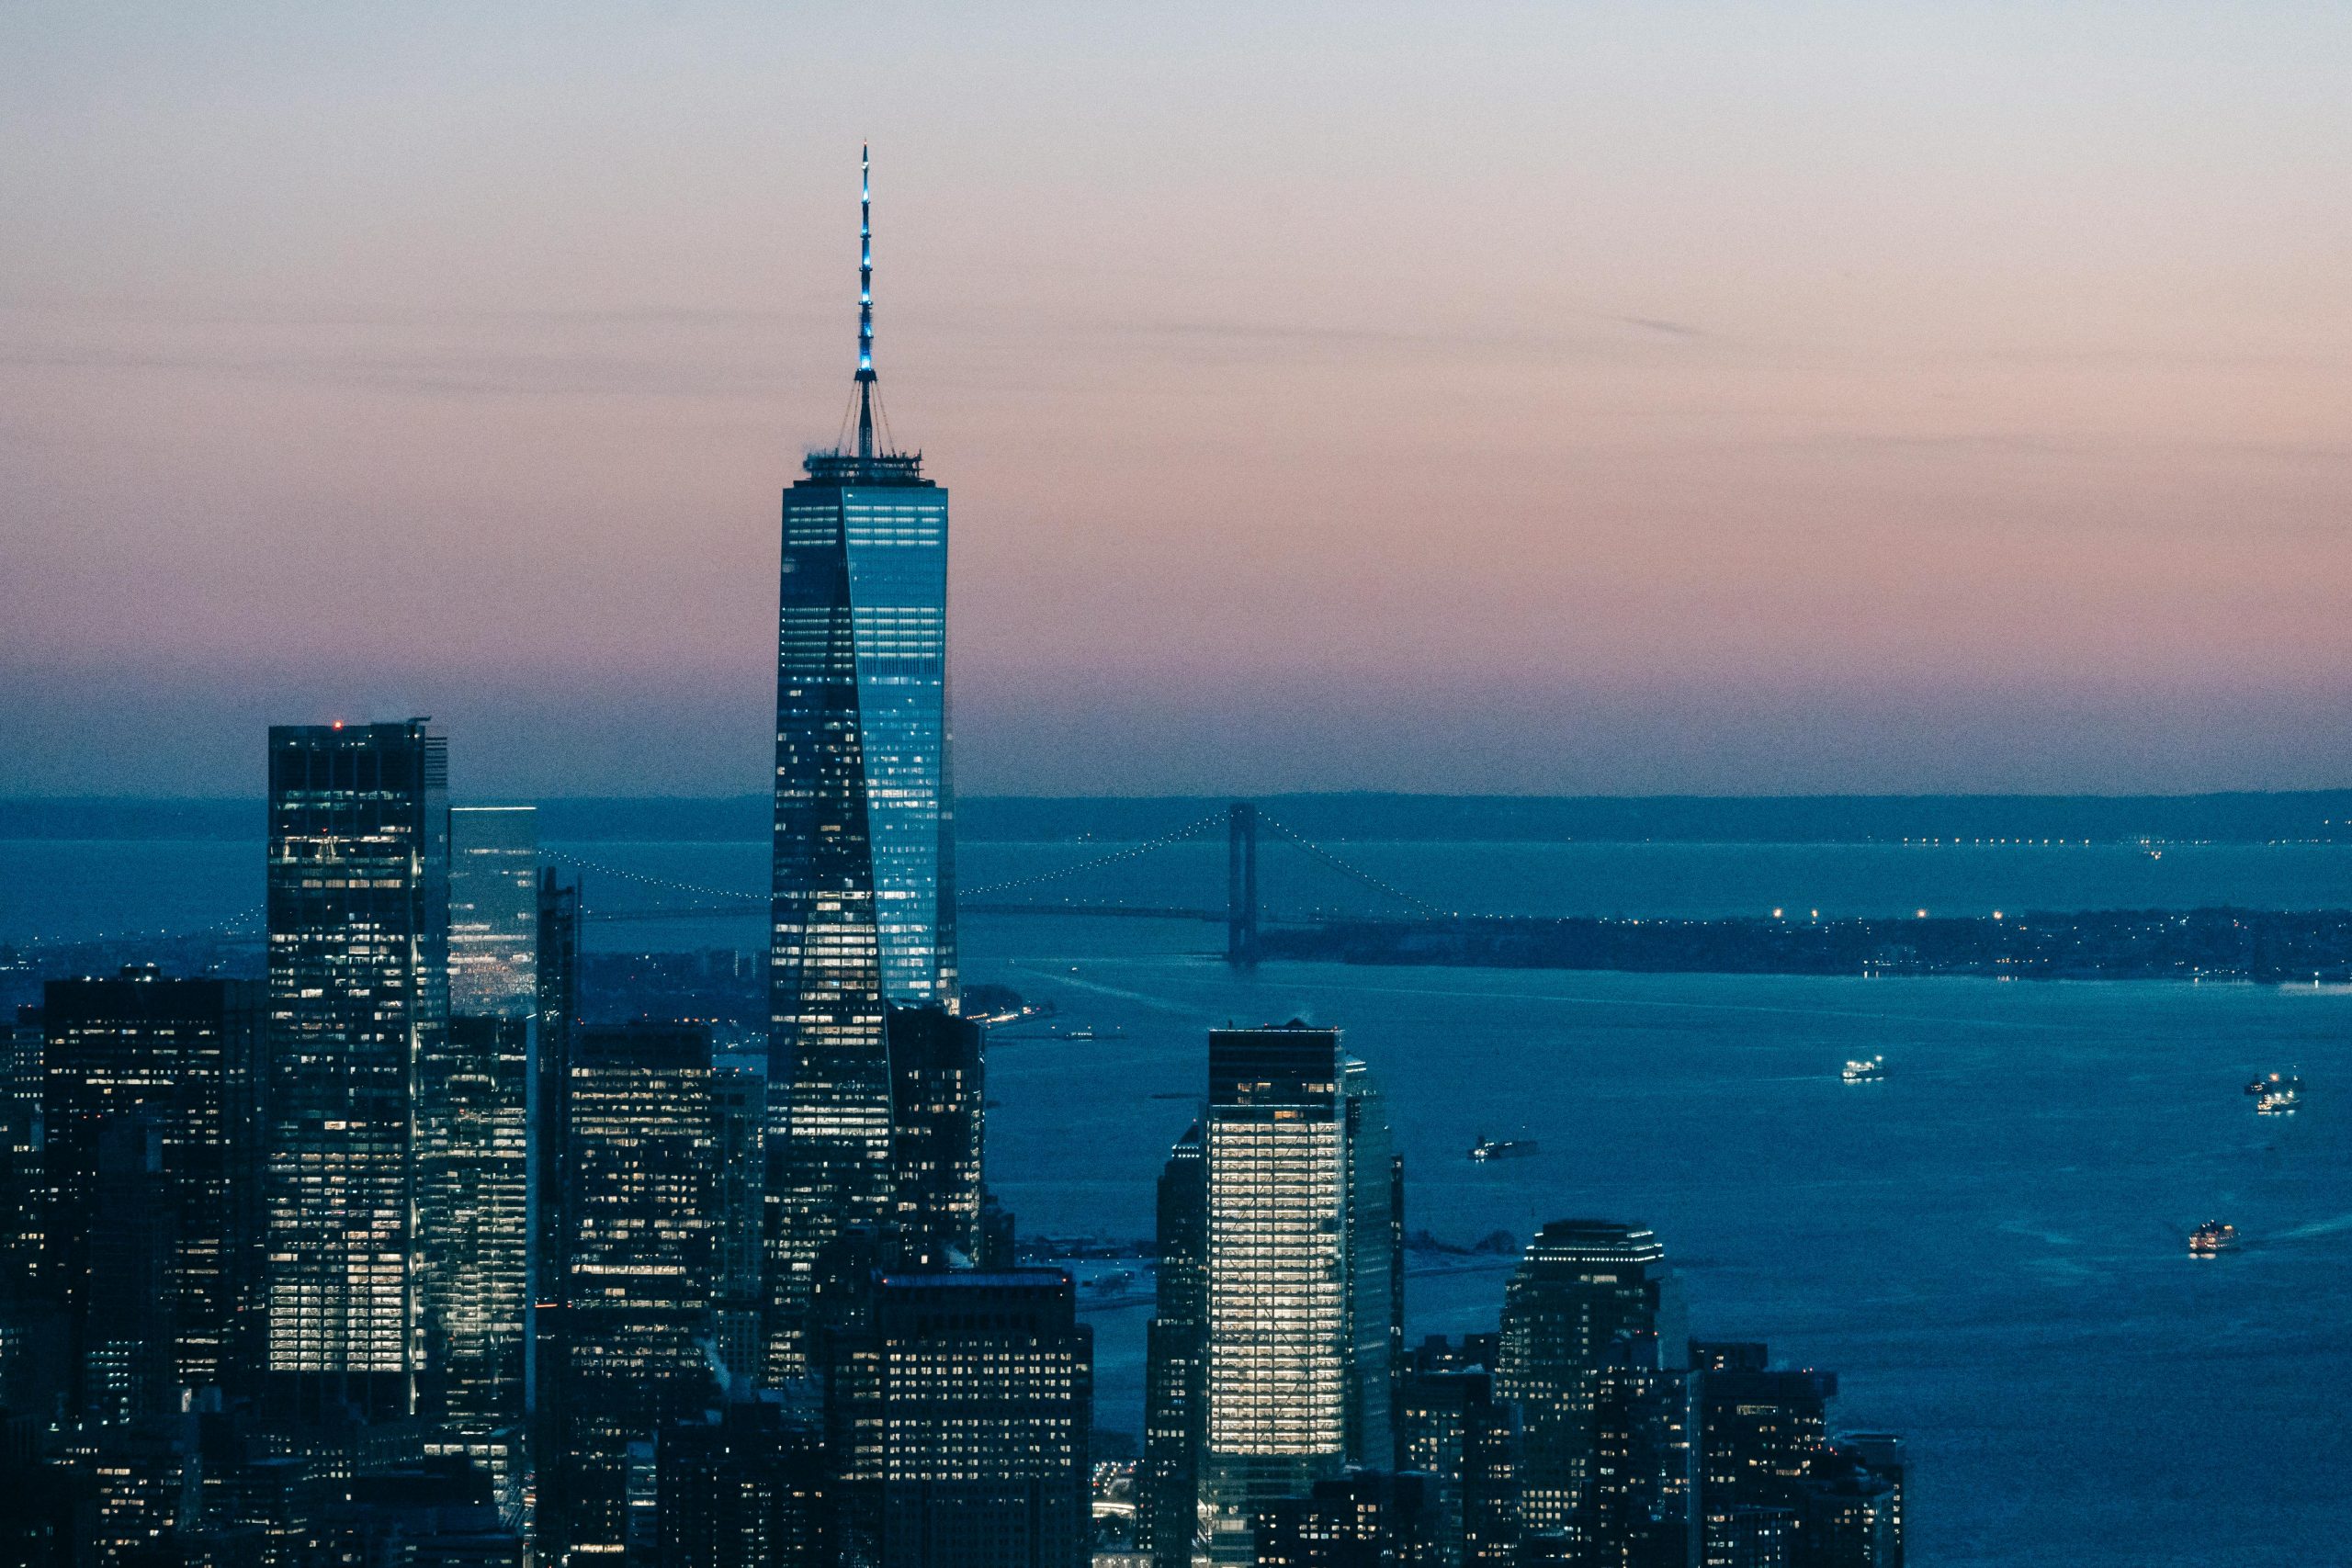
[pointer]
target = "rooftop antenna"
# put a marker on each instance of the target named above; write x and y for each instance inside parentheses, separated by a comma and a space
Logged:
(864, 303)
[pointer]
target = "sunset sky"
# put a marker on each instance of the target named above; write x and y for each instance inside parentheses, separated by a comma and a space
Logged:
(1551, 397)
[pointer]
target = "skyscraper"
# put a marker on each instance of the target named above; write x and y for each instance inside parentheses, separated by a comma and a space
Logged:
(863, 903)
(472, 1133)
(493, 910)
(639, 1265)
(1301, 1260)
(962, 1421)
(937, 1131)
(1579, 1285)
(358, 991)
(150, 1111)
(1167, 1489)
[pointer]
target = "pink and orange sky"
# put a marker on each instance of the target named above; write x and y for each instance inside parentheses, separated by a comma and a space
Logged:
(1545, 397)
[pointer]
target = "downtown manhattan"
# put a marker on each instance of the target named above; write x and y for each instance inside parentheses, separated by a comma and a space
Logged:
(391, 1257)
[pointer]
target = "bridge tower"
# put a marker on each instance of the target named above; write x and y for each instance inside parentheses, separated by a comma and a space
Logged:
(1241, 883)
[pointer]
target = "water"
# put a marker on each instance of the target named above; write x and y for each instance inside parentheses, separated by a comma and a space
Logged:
(1988, 1247)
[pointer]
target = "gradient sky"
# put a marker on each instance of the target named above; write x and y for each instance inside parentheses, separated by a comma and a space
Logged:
(1551, 398)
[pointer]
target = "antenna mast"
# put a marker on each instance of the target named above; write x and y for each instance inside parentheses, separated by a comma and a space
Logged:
(866, 304)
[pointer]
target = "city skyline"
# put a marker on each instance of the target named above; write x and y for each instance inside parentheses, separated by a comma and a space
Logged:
(1873, 400)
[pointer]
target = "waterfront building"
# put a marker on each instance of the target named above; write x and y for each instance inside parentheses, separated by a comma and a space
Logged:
(358, 913)
(938, 1121)
(1452, 1427)
(1642, 1504)
(1579, 1286)
(1760, 1432)
(1176, 1363)
(640, 1263)
(744, 1486)
(863, 904)
(959, 1419)
(148, 1112)
(1302, 1264)
(493, 910)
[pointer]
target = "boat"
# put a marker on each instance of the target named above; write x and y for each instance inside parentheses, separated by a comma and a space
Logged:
(2212, 1238)
(1089, 1032)
(1865, 1072)
(1487, 1149)
(2289, 1082)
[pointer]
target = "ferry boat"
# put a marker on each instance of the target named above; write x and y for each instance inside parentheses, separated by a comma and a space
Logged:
(2277, 1094)
(1487, 1149)
(2212, 1238)
(1865, 1072)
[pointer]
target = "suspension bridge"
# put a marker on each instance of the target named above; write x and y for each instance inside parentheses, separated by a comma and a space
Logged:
(1244, 914)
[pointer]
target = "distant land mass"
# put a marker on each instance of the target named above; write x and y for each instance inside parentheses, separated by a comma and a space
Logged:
(2242, 818)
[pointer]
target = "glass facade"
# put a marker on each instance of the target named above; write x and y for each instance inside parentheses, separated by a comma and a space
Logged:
(358, 992)
(862, 888)
(493, 910)
(1278, 1299)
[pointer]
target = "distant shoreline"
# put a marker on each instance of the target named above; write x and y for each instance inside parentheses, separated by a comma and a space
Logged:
(2311, 816)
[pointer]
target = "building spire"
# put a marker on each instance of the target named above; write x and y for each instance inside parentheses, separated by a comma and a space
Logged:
(865, 303)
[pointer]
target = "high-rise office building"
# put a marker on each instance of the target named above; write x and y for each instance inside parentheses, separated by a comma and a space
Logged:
(1760, 1432)
(1176, 1363)
(1453, 1428)
(864, 907)
(357, 993)
(555, 1028)
(493, 910)
(739, 1098)
(1580, 1284)
(1642, 1509)
(1374, 1218)
(22, 1084)
(152, 1224)
(1301, 1270)
(472, 1202)
(960, 1419)
(639, 1265)
(937, 1131)
(1365, 1517)
(744, 1488)
(473, 1088)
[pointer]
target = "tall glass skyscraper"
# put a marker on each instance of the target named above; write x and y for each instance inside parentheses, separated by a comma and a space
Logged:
(358, 911)
(472, 1125)
(863, 912)
(1300, 1271)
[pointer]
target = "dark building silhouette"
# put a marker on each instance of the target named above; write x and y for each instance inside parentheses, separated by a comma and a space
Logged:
(1176, 1363)
(744, 1488)
(1580, 1284)
(864, 901)
(739, 1110)
(1641, 1508)
(1451, 1428)
(1760, 1433)
(152, 1227)
(960, 1420)
(937, 1124)
(1363, 1520)
(22, 1185)
(639, 1268)
(555, 1030)
(357, 912)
